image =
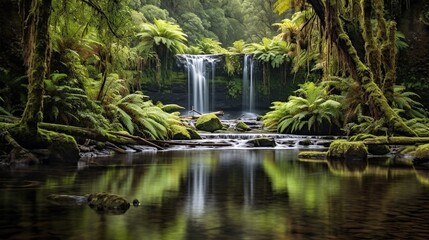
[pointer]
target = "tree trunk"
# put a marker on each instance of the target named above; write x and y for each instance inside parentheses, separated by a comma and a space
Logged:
(359, 71)
(36, 48)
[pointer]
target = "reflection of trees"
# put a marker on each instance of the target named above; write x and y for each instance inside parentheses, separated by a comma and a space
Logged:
(305, 184)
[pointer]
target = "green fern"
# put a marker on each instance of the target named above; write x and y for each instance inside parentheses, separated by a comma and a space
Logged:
(70, 105)
(312, 108)
(138, 115)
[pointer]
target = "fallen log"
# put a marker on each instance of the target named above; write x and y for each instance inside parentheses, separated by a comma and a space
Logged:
(109, 136)
(396, 140)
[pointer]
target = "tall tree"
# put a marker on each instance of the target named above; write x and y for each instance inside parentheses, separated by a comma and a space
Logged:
(36, 57)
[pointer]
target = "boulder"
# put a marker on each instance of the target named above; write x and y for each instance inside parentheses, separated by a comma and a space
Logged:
(372, 149)
(343, 149)
(208, 122)
(421, 154)
(262, 142)
(242, 127)
(108, 203)
(180, 132)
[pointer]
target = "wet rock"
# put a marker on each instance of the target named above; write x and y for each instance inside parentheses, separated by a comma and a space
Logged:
(372, 149)
(378, 149)
(136, 203)
(305, 142)
(108, 203)
(208, 122)
(324, 143)
(262, 142)
(242, 127)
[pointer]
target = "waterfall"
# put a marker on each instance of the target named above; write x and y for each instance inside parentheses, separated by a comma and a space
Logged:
(201, 71)
(248, 101)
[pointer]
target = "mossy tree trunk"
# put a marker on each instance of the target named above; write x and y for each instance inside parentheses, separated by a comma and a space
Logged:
(359, 70)
(36, 15)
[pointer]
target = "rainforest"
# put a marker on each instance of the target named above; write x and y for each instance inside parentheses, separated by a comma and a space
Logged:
(239, 119)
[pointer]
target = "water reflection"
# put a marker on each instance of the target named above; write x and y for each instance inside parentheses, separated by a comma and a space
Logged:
(234, 194)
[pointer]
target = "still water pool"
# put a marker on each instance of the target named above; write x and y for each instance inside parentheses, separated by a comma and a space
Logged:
(219, 194)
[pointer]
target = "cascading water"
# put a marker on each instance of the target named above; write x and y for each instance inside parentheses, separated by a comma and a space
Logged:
(248, 85)
(201, 71)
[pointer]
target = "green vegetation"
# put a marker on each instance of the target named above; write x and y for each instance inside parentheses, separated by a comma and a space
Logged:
(85, 63)
(312, 108)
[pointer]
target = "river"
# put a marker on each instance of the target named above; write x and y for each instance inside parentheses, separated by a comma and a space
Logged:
(218, 194)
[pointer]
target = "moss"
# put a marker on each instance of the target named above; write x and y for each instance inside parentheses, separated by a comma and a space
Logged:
(62, 147)
(208, 122)
(180, 132)
(194, 134)
(373, 149)
(312, 155)
(108, 203)
(347, 150)
(262, 142)
(242, 127)
(422, 152)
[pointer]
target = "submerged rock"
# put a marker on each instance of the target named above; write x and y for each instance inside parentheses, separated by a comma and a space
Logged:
(108, 203)
(67, 200)
(208, 122)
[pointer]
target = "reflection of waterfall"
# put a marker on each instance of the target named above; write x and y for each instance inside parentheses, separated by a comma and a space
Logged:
(198, 188)
(200, 70)
(248, 85)
(249, 177)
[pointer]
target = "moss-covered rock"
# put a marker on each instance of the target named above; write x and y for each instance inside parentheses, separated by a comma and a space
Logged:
(179, 132)
(347, 150)
(262, 142)
(372, 149)
(314, 155)
(242, 127)
(194, 134)
(62, 148)
(208, 122)
(422, 153)
(108, 203)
